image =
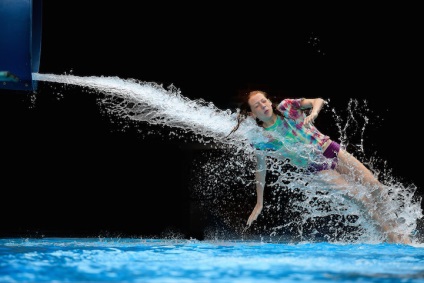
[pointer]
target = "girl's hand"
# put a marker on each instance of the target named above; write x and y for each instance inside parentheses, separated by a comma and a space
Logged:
(254, 215)
(310, 118)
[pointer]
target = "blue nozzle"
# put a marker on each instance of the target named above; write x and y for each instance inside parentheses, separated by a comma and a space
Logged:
(20, 43)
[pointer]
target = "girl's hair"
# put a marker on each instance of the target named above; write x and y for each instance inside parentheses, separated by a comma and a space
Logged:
(245, 109)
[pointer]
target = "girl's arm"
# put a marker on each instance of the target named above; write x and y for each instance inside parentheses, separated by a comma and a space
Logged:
(316, 105)
(260, 175)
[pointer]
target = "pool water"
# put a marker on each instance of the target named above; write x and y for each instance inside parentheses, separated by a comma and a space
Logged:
(180, 260)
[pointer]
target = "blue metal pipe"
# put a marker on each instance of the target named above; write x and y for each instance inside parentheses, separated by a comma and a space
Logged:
(20, 43)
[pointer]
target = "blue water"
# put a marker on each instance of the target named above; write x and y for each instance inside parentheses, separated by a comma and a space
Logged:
(179, 260)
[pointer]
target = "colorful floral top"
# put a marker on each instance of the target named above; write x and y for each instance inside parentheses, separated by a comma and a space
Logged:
(301, 144)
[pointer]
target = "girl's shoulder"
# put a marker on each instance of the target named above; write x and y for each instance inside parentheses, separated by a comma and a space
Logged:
(289, 103)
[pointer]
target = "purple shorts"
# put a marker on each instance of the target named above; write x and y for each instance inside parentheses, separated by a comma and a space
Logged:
(331, 153)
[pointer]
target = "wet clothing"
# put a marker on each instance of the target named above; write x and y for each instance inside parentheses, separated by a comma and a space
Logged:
(302, 145)
(331, 153)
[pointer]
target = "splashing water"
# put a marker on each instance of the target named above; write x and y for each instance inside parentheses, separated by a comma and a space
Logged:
(150, 102)
(303, 209)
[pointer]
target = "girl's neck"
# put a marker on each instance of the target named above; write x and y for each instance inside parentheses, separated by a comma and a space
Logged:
(270, 122)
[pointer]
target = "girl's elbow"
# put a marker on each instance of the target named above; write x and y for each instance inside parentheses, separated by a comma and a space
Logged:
(322, 101)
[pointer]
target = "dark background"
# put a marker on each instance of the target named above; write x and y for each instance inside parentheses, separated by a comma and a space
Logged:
(70, 169)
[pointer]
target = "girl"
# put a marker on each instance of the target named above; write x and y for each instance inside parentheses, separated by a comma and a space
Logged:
(291, 135)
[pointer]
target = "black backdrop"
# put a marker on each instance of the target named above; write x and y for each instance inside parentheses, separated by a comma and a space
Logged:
(68, 169)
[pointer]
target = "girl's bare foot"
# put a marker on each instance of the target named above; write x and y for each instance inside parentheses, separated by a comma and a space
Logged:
(398, 238)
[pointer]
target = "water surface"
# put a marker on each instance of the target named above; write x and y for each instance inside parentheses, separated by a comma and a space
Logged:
(176, 260)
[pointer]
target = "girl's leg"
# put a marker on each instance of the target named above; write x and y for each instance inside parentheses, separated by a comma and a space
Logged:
(351, 167)
(375, 198)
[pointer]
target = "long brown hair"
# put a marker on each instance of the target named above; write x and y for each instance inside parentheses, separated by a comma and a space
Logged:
(245, 109)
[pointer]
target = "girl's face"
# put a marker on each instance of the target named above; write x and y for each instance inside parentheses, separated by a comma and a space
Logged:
(261, 107)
